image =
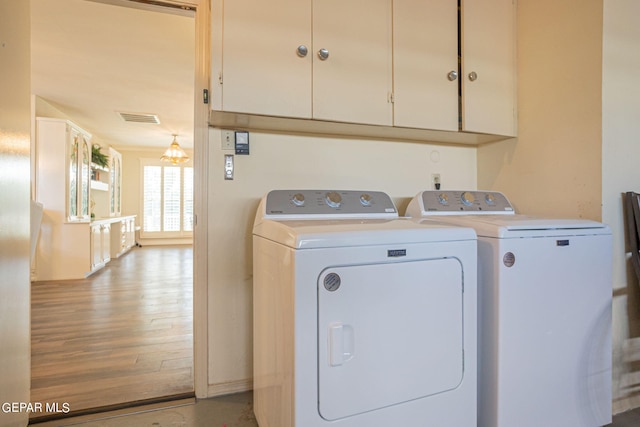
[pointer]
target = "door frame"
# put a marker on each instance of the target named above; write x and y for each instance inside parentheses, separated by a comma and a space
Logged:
(202, 62)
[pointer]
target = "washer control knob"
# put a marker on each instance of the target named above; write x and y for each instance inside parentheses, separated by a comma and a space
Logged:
(490, 199)
(467, 198)
(298, 199)
(365, 199)
(443, 199)
(333, 199)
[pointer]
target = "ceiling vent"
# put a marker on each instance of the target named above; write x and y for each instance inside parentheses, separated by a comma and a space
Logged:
(140, 118)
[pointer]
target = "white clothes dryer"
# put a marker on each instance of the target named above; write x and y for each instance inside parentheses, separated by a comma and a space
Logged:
(361, 318)
(545, 292)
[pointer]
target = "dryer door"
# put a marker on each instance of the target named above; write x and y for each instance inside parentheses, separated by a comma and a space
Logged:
(387, 334)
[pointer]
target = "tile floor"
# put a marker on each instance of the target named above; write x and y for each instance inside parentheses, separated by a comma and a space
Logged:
(226, 411)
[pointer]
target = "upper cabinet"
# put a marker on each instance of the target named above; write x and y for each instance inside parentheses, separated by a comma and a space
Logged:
(262, 72)
(488, 66)
(352, 62)
(402, 65)
(425, 64)
(279, 59)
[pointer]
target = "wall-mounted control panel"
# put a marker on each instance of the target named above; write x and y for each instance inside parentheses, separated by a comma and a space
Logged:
(242, 142)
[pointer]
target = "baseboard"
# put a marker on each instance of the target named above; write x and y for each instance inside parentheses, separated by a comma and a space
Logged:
(230, 387)
(163, 242)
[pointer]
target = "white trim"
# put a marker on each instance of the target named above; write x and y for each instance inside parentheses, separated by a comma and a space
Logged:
(164, 242)
(230, 387)
(200, 198)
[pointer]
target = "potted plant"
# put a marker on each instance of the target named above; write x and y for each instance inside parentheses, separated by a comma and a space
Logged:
(98, 157)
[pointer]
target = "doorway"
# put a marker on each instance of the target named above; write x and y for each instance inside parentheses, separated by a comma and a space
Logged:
(85, 81)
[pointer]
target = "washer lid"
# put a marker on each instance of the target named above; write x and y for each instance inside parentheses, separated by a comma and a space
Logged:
(516, 226)
(306, 234)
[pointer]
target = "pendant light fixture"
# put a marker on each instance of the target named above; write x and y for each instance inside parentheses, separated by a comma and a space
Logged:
(174, 153)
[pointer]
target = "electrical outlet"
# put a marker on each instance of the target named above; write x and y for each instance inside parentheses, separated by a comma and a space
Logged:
(435, 180)
(228, 140)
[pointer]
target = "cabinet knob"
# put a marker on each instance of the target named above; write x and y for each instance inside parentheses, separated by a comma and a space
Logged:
(323, 54)
(452, 75)
(473, 76)
(302, 51)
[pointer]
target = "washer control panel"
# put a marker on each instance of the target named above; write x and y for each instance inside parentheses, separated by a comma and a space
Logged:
(329, 203)
(465, 201)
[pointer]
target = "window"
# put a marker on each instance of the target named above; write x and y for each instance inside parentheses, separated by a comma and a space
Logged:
(167, 199)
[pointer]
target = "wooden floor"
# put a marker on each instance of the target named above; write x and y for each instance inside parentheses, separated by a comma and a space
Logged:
(124, 334)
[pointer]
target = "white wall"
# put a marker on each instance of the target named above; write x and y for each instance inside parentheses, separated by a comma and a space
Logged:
(621, 173)
(15, 124)
(286, 161)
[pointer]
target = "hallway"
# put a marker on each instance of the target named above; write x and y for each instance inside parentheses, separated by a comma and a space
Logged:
(124, 334)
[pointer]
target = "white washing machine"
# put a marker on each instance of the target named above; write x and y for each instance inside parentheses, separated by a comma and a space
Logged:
(545, 290)
(361, 318)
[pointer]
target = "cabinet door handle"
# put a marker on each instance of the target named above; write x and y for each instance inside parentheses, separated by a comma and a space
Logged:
(323, 54)
(302, 51)
(452, 75)
(473, 76)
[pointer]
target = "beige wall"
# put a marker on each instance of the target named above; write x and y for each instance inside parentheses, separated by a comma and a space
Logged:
(621, 173)
(287, 161)
(15, 123)
(554, 166)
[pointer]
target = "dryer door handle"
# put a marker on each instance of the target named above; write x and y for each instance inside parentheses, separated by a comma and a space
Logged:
(341, 343)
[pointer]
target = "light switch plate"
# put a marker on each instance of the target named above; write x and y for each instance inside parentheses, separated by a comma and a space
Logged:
(228, 140)
(228, 166)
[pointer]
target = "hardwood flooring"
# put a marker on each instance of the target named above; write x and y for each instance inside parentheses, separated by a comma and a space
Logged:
(124, 334)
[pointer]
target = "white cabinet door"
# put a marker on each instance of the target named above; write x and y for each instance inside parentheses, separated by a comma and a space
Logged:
(425, 64)
(96, 246)
(488, 67)
(260, 70)
(354, 83)
(100, 245)
(115, 183)
(78, 174)
(105, 243)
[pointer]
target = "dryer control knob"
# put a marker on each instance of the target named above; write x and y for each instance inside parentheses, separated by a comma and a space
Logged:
(298, 199)
(365, 199)
(443, 199)
(467, 198)
(333, 199)
(490, 199)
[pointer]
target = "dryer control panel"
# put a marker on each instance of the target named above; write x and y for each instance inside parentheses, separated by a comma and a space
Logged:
(447, 202)
(328, 203)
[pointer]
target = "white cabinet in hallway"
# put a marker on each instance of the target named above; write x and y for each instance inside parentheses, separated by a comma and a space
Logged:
(100, 245)
(122, 235)
(71, 245)
(63, 177)
(115, 183)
